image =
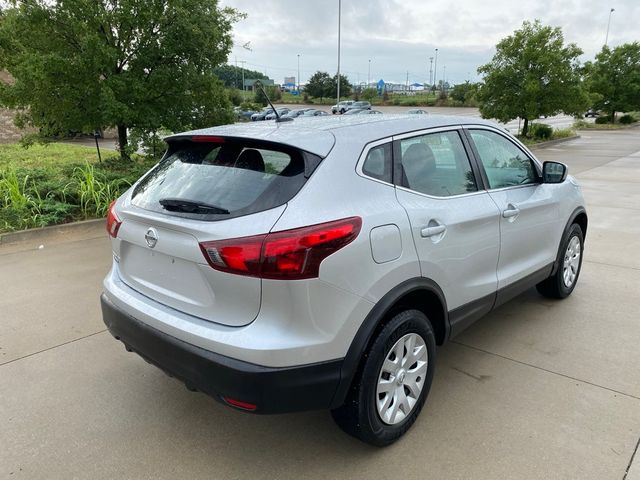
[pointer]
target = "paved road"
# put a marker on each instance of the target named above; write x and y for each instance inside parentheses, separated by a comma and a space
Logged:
(538, 389)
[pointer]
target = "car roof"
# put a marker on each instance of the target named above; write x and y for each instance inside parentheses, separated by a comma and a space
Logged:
(318, 135)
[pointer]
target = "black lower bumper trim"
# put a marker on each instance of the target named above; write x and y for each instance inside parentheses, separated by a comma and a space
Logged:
(272, 390)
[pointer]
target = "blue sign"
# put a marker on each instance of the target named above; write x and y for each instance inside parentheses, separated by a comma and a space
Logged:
(380, 86)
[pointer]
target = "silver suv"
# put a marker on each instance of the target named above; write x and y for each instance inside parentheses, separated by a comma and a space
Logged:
(316, 264)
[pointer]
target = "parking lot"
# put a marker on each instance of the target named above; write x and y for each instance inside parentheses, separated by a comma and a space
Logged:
(538, 389)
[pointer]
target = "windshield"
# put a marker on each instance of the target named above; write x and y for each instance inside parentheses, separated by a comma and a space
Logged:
(236, 177)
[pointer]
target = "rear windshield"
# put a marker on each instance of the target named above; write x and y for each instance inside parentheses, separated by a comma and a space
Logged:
(217, 181)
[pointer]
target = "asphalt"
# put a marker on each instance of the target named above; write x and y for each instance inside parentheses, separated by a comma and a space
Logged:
(538, 389)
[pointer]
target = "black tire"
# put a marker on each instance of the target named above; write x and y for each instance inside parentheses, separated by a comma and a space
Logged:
(555, 286)
(359, 415)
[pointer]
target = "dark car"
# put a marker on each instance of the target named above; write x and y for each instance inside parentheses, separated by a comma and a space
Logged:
(261, 115)
(417, 112)
(591, 113)
(297, 112)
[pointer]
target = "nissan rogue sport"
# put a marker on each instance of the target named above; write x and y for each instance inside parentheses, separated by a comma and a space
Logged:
(316, 264)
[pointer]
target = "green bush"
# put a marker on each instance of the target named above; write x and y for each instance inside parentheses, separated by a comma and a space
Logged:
(235, 96)
(369, 94)
(602, 120)
(541, 131)
(627, 119)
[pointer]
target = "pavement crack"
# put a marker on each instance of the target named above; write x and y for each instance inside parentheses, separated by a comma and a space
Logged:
(626, 472)
(627, 267)
(52, 348)
(613, 390)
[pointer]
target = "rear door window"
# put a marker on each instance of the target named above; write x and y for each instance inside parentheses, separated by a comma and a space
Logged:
(217, 181)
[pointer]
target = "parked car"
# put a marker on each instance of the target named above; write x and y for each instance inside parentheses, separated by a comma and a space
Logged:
(355, 111)
(359, 106)
(341, 107)
(315, 113)
(591, 113)
(417, 112)
(272, 269)
(243, 115)
(256, 117)
(297, 112)
(281, 112)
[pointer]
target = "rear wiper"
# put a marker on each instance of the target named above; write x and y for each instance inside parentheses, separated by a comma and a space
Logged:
(190, 206)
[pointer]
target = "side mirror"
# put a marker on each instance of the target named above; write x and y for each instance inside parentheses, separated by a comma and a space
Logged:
(554, 172)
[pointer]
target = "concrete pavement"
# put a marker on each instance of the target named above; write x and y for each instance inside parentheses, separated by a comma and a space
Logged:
(538, 389)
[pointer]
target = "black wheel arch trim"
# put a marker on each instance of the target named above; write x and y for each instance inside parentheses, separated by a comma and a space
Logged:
(371, 322)
(571, 221)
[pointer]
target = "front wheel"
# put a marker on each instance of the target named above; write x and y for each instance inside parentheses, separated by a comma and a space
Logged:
(564, 280)
(393, 383)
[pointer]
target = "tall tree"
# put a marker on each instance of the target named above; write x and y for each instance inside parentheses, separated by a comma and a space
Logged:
(533, 73)
(231, 75)
(615, 79)
(319, 85)
(80, 65)
(345, 87)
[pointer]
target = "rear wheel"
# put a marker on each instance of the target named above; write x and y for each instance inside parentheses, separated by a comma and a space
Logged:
(564, 280)
(393, 383)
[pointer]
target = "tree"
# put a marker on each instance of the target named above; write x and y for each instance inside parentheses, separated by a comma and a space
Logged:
(345, 87)
(615, 79)
(369, 94)
(81, 65)
(464, 93)
(231, 75)
(532, 74)
(319, 85)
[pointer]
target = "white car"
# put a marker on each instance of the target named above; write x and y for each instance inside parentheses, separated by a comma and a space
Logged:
(316, 264)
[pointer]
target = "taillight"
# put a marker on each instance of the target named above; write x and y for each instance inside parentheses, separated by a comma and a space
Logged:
(287, 255)
(113, 222)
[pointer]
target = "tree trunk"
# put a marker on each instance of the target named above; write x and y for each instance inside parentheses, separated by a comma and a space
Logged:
(525, 127)
(613, 117)
(123, 142)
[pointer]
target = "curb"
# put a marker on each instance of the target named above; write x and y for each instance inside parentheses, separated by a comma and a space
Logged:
(622, 127)
(552, 142)
(26, 235)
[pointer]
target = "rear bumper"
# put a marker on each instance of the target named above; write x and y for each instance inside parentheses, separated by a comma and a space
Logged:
(271, 389)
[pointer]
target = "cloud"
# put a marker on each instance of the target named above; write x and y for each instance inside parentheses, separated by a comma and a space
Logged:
(400, 36)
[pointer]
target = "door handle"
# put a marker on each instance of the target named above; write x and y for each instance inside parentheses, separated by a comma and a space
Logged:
(511, 211)
(432, 231)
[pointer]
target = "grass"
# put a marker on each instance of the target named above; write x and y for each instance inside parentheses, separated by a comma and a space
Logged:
(58, 183)
(557, 134)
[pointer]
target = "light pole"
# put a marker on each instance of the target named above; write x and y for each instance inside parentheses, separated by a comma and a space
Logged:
(339, 19)
(430, 71)
(435, 70)
(298, 74)
(608, 25)
(369, 75)
(444, 76)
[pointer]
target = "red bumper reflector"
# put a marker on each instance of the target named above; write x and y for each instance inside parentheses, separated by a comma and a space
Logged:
(239, 404)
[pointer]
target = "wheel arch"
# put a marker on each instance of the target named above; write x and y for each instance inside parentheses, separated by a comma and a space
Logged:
(578, 216)
(417, 293)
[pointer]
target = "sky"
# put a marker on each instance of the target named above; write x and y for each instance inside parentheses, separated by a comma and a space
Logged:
(399, 36)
